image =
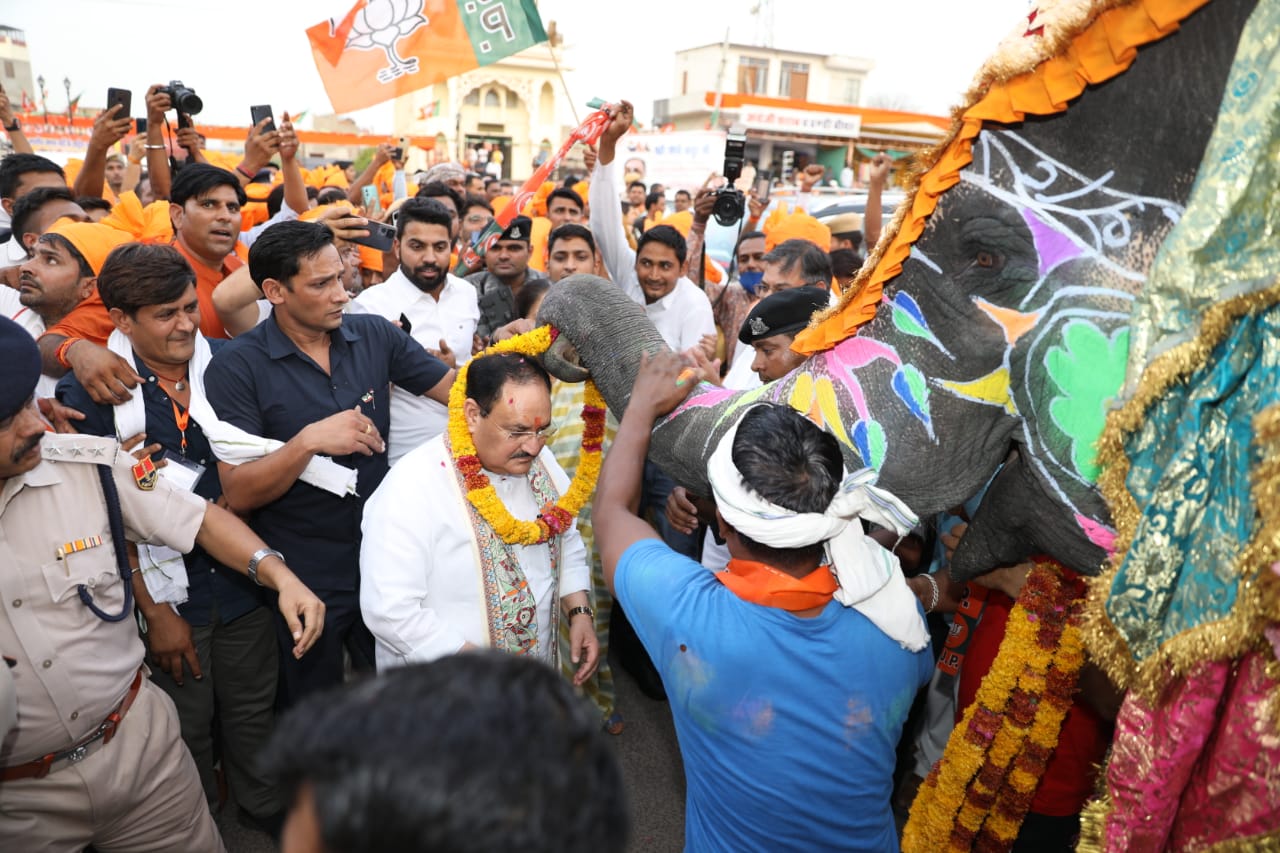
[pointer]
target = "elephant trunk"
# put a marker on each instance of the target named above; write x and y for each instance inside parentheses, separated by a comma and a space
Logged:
(602, 334)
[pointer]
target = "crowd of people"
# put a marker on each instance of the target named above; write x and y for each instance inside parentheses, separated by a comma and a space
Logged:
(250, 456)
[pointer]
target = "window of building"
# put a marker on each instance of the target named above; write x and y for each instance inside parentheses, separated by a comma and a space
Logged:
(848, 90)
(684, 82)
(513, 101)
(8, 69)
(753, 75)
(473, 98)
(795, 80)
(491, 99)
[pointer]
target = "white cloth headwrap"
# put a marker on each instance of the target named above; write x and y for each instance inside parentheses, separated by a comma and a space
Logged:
(162, 568)
(870, 579)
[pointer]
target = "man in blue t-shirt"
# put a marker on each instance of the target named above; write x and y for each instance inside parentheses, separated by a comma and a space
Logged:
(790, 673)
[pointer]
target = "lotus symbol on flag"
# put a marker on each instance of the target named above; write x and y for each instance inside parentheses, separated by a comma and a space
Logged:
(382, 23)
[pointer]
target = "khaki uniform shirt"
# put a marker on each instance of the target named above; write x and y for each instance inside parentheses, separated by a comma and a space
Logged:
(74, 668)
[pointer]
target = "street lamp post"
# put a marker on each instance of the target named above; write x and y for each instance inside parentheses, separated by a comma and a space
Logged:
(66, 84)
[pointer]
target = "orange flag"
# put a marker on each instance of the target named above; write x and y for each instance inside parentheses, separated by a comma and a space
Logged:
(384, 48)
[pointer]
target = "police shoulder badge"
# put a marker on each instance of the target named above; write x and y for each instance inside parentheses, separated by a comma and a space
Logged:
(145, 474)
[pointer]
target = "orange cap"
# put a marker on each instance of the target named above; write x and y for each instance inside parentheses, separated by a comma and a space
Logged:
(93, 240)
(783, 225)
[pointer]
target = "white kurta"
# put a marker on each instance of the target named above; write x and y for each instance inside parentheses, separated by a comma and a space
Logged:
(452, 317)
(683, 317)
(421, 592)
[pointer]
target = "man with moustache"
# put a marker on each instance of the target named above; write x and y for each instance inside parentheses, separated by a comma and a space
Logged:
(506, 273)
(96, 758)
(429, 579)
(204, 207)
(209, 632)
(315, 383)
(439, 310)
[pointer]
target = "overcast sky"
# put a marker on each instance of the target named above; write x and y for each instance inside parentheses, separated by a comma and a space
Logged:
(241, 52)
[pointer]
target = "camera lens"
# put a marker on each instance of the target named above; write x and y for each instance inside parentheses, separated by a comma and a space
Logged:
(189, 102)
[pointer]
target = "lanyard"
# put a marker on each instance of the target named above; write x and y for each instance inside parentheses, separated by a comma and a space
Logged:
(183, 417)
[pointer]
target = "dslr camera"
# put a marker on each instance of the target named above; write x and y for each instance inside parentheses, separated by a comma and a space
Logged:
(731, 204)
(183, 98)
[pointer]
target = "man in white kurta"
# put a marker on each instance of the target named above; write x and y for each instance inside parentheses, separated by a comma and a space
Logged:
(437, 309)
(422, 562)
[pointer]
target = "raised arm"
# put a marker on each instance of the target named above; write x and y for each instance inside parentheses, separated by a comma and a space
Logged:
(381, 155)
(295, 186)
(606, 211)
(658, 390)
(872, 216)
(157, 156)
(108, 129)
(12, 127)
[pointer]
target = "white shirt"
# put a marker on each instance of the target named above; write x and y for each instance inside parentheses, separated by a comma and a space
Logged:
(740, 376)
(684, 315)
(12, 307)
(452, 318)
(421, 593)
(12, 253)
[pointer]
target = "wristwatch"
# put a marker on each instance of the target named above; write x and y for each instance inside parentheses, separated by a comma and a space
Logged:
(574, 611)
(258, 556)
(13, 125)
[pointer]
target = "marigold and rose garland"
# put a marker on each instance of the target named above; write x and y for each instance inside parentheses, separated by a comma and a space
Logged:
(554, 518)
(978, 794)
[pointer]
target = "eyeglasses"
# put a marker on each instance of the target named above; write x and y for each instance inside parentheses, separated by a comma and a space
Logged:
(476, 219)
(545, 434)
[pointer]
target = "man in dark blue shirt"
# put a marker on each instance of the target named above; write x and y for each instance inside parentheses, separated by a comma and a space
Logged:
(219, 646)
(319, 382)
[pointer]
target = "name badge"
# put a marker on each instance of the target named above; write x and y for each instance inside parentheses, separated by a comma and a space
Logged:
(181, 472)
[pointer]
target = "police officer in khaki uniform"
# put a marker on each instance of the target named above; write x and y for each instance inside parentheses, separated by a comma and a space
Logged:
(96, 756)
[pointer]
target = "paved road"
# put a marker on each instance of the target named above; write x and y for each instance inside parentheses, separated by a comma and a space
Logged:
(651, 767)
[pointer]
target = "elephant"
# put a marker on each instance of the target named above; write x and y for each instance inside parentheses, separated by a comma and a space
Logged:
(993, 354)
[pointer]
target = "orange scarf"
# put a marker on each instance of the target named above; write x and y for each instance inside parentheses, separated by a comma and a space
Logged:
(764, 585)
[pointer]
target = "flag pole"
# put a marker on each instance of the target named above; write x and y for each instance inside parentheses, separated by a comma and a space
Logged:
(556, 62)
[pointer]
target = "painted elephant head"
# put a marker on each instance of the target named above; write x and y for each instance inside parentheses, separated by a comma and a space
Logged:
(994, 352)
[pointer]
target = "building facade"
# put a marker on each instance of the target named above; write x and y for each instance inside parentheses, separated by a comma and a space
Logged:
(15, 67)
(798, 108)
(516, 106)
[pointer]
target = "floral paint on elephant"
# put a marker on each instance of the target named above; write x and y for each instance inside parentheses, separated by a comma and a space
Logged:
(1020, 307)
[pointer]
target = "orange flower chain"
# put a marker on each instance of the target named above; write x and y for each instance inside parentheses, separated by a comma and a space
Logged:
(979, 792)
(555, 518)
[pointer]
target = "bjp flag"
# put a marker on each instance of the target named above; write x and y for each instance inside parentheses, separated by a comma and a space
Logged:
(384, 48)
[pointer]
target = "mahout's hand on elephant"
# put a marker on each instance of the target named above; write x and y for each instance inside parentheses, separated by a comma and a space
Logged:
(707, 365)
(664, 380)
(1006, 579)
(951, 539)
(681, 512)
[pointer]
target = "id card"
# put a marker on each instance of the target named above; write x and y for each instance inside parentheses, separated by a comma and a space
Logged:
(180, 471)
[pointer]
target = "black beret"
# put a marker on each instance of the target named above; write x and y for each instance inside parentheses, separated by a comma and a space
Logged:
(21, 360)
(783, 313)
(521, 228)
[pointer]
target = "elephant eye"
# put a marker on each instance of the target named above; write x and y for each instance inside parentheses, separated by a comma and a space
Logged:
(986, 260)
